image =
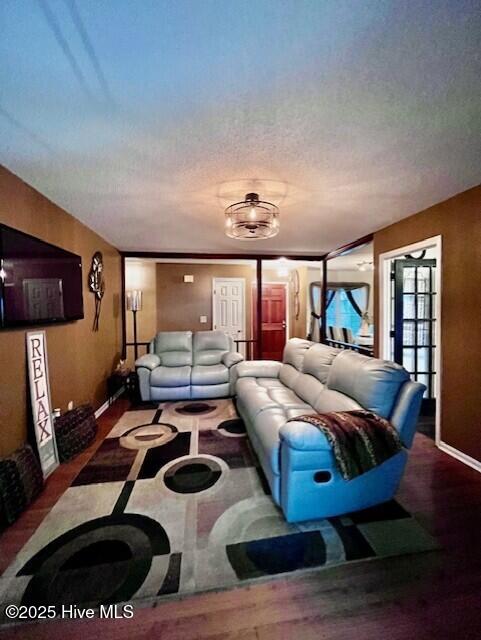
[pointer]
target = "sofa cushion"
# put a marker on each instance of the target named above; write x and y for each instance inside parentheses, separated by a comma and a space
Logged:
(259, 369)
(373, 383)
(243, 384)
(174, 348)
(330, 400)
(170, 377)
(256, 400)
(318, 360)
(211, 374)
(286, 398)
(288, 375)
(210, 346)
(208, 357)
(270, 383)
(294, 352)
(308, 388)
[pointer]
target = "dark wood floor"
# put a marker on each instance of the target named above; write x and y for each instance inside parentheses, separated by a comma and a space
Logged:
(427, 426)
(432, 595)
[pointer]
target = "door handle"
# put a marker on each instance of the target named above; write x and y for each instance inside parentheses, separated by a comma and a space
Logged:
(283, 324)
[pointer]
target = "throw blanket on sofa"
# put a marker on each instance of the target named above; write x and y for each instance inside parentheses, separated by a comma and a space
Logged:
(360, 439)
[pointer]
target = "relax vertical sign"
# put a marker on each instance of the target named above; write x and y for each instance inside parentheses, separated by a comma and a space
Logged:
(41, 403)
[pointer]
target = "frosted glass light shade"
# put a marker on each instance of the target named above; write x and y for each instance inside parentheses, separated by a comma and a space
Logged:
(134, 300)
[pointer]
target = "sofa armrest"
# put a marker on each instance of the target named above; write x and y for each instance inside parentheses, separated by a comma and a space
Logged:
(259, 369)
(231, 357)
(149, 361)
(304, 437)
(406, 411)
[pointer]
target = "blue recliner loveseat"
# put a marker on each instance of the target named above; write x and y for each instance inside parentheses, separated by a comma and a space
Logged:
(182, 365)
(295, 456)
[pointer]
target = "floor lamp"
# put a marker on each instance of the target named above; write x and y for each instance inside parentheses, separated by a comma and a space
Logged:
(134, 304)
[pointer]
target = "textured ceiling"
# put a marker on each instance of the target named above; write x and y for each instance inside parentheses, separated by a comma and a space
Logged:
(144, 119)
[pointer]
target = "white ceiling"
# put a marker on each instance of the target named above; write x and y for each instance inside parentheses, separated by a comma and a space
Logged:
(145, 119)
(350, 260)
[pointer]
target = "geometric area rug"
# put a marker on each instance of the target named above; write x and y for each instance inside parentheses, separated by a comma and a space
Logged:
(174, 502)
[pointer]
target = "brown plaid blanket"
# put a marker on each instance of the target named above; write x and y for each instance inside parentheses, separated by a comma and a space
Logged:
(360, 439)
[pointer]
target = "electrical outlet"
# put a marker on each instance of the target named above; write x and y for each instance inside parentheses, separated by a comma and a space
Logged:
(203, 319)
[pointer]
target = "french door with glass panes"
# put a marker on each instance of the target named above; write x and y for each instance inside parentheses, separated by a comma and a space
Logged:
(413, 332)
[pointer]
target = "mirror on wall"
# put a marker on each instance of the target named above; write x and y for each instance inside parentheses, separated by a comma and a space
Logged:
(349, 299)
(190, 294)
(167, 294)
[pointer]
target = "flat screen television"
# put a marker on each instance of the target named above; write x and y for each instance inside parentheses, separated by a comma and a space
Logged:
(39, 283)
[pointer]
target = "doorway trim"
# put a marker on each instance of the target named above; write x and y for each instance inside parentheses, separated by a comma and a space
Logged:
(242, 282)
(385, 319)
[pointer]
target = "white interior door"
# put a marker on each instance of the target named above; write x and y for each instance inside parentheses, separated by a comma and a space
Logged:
(229, 306)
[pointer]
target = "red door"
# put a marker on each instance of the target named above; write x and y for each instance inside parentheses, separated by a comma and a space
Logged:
(273, 320)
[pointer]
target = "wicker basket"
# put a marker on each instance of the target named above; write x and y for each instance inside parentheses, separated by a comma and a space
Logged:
(74, 431)
(21, 481)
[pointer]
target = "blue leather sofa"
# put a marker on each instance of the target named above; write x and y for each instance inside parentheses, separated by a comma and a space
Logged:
(181, 365)
(295, 456)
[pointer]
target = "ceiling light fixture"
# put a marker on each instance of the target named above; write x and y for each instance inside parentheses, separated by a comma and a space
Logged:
(252, 219)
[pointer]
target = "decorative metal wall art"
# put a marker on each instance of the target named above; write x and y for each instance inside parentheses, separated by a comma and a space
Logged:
(97, 285)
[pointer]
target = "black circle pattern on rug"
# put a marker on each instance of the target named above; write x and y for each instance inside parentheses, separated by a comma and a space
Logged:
(152, 426)
(145, 436)
(192, 475)
(196, 408)
(281, 554)
(235, 426)
(102, 561)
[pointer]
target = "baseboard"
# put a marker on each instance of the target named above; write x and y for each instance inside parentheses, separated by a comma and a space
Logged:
(109, 401)
(459, 455)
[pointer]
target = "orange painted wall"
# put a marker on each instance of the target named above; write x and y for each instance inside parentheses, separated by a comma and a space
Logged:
(79, 359)
(458, 221)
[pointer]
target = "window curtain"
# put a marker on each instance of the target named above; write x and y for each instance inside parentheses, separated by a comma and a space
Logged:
(357, 293)
(315, 290)
(359, 299)
(330, 297)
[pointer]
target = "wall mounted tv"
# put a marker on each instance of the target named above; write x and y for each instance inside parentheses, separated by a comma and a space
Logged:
(39, 283)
